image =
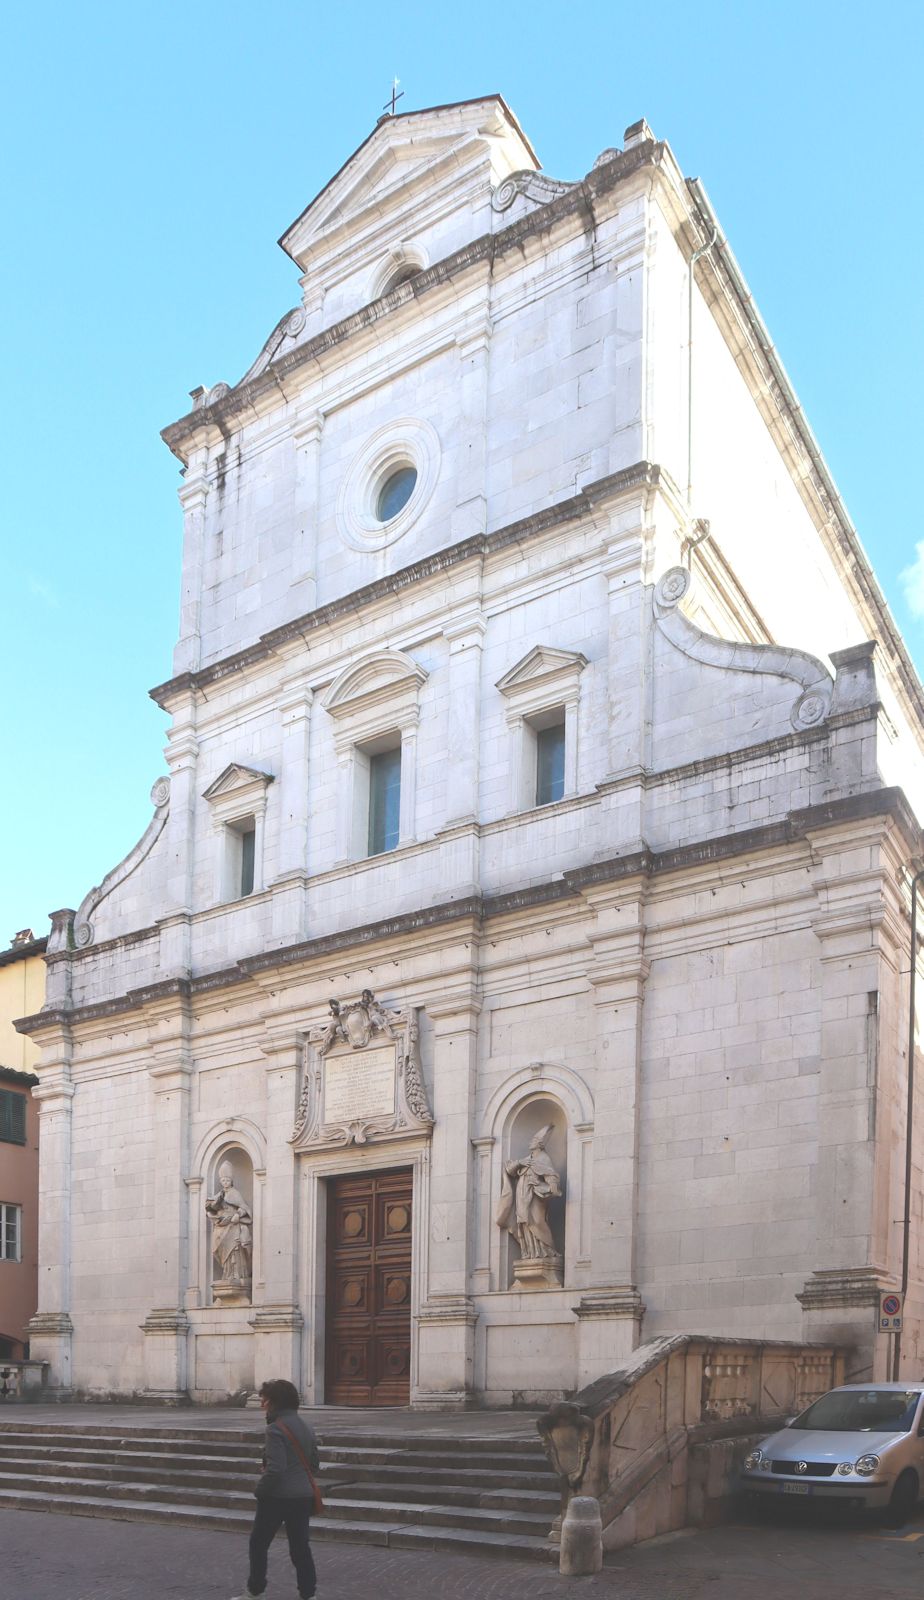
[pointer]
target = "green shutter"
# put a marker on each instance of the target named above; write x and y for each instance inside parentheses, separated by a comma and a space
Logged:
(12, 1117)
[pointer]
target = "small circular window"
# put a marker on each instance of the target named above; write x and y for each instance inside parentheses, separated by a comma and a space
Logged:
(395, 493)
(387, 484)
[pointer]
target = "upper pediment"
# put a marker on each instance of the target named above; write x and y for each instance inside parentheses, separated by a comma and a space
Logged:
(539, 665)
(409, 152)
(234, 779)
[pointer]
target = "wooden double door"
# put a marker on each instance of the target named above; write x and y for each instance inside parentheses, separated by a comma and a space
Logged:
(368, 1314)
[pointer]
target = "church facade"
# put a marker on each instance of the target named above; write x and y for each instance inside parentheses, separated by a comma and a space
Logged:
(516, 962)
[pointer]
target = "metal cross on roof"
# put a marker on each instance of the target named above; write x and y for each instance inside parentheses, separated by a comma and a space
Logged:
(395, 97)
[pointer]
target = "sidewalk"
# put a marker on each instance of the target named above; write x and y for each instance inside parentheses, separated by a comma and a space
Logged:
(50, 1557)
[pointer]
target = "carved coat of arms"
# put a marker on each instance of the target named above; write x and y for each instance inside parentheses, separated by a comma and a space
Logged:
(361, 1077)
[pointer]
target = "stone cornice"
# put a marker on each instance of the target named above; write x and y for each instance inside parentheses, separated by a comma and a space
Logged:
(888, 803)
(644, 474)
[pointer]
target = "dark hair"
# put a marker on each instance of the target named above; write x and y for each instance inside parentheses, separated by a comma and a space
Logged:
(281, 1394)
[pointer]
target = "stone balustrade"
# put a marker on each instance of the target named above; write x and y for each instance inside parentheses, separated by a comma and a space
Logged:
(658, 1443)
(23, 1380)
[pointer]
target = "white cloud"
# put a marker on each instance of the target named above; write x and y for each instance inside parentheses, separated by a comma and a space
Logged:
(912, 582)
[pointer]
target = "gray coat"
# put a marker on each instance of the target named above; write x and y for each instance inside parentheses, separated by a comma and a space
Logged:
(284, 1477)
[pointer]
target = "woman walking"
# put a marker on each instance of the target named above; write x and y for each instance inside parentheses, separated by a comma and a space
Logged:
(287, 1491)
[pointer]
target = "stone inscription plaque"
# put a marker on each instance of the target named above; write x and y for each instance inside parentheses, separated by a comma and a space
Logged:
(359, 1085)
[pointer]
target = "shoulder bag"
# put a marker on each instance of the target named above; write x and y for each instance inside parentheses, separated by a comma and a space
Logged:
(318, 1502)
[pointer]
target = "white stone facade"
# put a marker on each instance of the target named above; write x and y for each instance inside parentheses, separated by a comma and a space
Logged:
(693, 964)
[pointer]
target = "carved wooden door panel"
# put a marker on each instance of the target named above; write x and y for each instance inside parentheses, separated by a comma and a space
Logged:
(369, 1290)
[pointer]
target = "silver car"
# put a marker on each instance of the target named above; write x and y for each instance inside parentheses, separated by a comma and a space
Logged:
(863, 1444)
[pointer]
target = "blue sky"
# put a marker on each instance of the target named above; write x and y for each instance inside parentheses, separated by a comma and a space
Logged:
(154, 153)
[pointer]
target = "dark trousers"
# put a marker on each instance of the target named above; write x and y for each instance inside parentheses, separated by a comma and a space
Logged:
(271, 1514)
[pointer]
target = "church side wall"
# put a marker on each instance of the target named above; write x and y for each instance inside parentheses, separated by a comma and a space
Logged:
(748, 490)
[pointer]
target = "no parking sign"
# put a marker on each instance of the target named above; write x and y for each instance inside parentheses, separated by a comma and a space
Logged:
(890, 1312)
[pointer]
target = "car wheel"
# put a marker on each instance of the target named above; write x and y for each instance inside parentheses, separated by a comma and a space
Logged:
(903, 1499)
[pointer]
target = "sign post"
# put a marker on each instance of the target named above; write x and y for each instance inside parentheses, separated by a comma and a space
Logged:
(891, 1306)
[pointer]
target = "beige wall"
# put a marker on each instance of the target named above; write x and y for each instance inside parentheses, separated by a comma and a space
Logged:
(22, 993)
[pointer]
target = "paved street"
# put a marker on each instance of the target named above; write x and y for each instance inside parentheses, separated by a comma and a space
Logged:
(51, 1557)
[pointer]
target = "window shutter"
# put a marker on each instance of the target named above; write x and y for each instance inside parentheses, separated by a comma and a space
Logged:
(12, 1117)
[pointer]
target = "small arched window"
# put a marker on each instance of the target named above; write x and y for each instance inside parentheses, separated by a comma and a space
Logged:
(403, 275)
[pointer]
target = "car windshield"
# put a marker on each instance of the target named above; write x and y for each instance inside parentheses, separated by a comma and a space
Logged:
(861, 1411)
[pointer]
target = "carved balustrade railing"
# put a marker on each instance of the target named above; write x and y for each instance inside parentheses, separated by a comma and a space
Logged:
(645, 1440)
(22, 1380)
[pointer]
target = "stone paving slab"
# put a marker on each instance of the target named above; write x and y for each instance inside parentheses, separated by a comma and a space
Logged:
(47, 1557)
(325, 1419)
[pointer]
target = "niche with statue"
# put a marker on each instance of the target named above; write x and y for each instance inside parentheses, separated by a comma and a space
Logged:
(531, 1209)
(229, 1209)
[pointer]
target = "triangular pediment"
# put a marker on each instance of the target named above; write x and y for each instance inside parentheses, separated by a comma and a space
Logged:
(539, 663)
(407, 153)
(235, 778)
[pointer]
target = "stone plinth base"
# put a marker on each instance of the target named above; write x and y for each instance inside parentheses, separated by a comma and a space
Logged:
(609, 1321)
(842, 1307)
(231, 1292)
(538, 1272)
(445, 1355)
(277, 1343)
(51, 1335)
(166, 1344)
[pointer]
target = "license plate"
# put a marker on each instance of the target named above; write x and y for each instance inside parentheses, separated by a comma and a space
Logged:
(797, 1488)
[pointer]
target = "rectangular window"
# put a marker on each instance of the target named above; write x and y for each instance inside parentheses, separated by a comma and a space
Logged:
(10, 1232)
(550, 764)
(239, 867)
(12, 1117)
(248, 842)
(384, 800)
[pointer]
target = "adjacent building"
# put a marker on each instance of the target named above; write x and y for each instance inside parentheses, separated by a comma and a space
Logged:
(516, 962)
(22, 988)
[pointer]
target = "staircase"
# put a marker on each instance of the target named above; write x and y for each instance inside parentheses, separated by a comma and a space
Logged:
(433, 1491)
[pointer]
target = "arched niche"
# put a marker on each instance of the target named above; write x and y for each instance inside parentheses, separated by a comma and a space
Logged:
(229, 1210)
(538, 1115)
(535, 1096)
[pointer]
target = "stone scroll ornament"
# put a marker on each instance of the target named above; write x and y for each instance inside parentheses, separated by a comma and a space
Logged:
(373, 1053)
(83, 926)
(813, 681)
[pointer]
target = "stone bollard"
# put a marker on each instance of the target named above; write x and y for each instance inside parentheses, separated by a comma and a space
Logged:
(581, 1538)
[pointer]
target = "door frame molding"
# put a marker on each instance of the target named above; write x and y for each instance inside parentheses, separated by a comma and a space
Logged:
(312, 1263)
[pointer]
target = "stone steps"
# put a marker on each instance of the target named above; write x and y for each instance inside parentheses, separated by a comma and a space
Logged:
(432, 1491)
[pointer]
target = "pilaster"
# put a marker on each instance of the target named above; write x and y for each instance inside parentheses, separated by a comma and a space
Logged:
(470, 515)
(290, 885)
(610, 1312)
(182, 756)
(446, 1320)
(170, 1070)
(306, 437)
(465, 635)
(51, 1329)
(193, 497)
(277, 1321)
(626, 565)
(857, 1246)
